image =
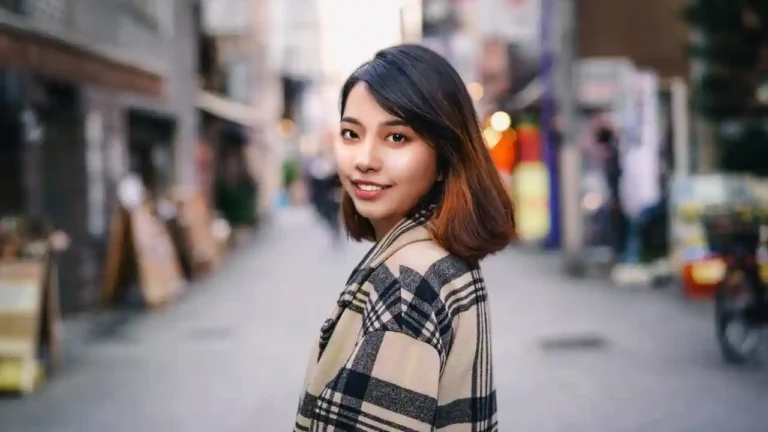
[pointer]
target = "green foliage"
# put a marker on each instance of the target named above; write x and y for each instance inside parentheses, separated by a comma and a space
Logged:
(739, 51)
(291, 172)
(720, 96)
(714, 15)
(746, 151)
(732, 34)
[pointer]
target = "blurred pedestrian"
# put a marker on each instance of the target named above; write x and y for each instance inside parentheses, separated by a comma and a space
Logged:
(409, 335)
(602, 146)
(324, 186)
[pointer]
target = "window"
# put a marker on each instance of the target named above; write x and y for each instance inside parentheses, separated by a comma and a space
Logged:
(227, 17)
(239, 80)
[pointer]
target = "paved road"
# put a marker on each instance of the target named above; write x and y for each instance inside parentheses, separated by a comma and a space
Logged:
(230, 356)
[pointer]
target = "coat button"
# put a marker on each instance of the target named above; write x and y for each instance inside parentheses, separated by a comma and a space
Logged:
(327, 325)
(343, 302)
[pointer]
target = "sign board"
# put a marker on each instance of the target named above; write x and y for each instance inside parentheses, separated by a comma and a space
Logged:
(141, 255)
(532, 201)
(515, 21)
(29, 322)
(193, 226)
(603, 82)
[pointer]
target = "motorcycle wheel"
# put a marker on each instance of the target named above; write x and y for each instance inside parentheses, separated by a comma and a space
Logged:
(737, 339)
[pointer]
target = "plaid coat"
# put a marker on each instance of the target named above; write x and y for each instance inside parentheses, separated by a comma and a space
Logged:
(406, 347)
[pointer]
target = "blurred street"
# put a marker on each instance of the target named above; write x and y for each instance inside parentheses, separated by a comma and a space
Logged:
(570, 355)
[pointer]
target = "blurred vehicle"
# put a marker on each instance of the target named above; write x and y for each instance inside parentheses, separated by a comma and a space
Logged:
(738, 236)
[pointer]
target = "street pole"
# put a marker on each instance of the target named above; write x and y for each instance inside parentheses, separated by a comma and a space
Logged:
(549, 34)
(570, 155)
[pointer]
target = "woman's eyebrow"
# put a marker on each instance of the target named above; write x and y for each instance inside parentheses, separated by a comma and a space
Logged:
(393, 122)
(351, 120)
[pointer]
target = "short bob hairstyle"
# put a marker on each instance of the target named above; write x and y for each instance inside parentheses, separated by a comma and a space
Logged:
(474, 215)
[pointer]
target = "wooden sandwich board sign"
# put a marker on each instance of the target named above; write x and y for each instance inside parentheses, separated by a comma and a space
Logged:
(194, 222)
(140, 255)
(30, 323)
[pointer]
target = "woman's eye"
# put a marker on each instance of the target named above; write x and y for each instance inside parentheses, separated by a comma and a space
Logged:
(397, 138)
(348, 134)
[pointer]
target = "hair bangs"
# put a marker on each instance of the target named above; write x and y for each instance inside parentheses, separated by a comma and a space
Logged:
(397, 92)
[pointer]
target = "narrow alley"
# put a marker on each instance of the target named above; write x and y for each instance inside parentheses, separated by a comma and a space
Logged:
(570, 355)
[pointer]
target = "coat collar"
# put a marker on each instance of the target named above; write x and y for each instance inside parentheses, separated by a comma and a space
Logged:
(411, 229)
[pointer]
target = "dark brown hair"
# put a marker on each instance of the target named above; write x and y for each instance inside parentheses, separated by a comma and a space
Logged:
(474, 215)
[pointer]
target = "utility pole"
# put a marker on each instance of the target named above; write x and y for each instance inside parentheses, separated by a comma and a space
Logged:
(570, 154)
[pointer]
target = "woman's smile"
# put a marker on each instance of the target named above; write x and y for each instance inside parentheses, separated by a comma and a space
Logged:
(368, 191)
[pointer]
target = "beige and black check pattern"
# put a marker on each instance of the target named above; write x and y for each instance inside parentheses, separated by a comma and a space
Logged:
(407, 347)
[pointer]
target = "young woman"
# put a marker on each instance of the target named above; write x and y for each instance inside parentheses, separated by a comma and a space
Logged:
(407, 346)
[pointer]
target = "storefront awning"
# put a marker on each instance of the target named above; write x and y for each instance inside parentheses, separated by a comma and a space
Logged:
(226, 109)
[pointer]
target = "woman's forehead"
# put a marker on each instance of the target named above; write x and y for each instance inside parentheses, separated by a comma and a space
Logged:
(361, 107)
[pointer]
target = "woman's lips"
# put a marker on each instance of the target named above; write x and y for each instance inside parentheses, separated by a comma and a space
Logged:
(368, 191)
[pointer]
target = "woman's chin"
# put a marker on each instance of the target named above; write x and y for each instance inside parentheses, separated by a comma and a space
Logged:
(372, 211)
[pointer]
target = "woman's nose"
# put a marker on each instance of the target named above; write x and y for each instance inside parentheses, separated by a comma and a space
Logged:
(367, 158)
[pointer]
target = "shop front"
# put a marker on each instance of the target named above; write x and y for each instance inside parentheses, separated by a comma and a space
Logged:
(57, 139)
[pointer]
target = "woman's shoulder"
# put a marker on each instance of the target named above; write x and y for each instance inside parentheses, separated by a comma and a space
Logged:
(429, 253)
(426, 263)
(423, 289)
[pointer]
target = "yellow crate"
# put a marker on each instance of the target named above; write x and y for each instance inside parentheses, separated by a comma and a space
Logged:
(20, 375)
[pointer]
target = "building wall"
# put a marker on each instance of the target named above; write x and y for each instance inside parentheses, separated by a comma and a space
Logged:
(264, 157)
(178, 49)
(157, 36)
(141, 36)
(253, 44)
(651, 32)
(120, 29)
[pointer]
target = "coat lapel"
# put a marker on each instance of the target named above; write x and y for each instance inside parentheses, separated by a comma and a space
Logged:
(410, 230)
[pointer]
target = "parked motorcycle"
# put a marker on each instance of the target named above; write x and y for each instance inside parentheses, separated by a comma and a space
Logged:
(739, 236)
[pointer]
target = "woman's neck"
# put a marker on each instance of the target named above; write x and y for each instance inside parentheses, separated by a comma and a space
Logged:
(382, 227)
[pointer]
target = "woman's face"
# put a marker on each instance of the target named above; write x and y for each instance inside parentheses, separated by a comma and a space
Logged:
(383, 164)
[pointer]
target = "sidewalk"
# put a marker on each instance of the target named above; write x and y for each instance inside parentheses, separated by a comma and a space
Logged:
(88, 330)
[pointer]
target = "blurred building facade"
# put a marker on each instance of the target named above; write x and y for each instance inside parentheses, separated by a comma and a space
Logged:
(239, 95)
(92, 89)
(297, 54)
(621, 29)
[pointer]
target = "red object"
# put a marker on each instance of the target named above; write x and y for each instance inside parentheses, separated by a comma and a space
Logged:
(503, 153)
(696, 290)
(529, 137)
